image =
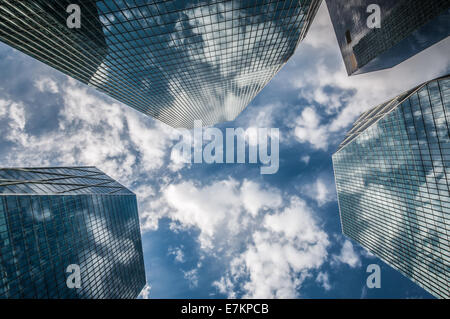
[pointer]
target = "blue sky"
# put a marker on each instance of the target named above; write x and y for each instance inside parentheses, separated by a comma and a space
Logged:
(225, 230)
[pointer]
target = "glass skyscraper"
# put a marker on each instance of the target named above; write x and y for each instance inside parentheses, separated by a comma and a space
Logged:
(392, 176)
(407, 27)
(51, 218)
(177, 61)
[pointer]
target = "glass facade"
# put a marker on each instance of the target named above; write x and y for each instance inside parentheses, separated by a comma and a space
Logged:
(407, 27)
(51, 218)
(392, 177)
(177, 61)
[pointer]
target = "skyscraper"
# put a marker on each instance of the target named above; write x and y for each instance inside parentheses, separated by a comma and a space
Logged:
(178, 61)
(406, 28)
(53, 218)
(392, 176)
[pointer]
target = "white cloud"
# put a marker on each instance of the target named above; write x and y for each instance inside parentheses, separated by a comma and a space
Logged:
(145, 293)
(178, 254)
(322, 278)
(151, 210)
(151, 142)
(225, 286)
(308, 129)
(90, 131)
(347, 256)
(268, 248)
(283, 251)
(192, 277)
(319, 35)
(260, 116)
(206, 208)
(305, 159)
(254, 198)
(321, 191)
(144, 190)
(217, 207)
(181, 157)
(46, 85)
(178, 161)
(14, 114)
(367, 253)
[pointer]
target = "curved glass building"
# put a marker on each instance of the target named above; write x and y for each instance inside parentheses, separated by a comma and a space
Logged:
(52, 218)
(392, 176)
(177, 61)
(406, 28)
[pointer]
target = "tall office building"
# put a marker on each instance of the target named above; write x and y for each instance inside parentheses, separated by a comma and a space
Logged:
(392, 176)
(406, 28)
(177, 61)
(51, 218)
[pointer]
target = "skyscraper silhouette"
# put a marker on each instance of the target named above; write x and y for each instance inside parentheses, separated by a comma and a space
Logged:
(405, 29)
(392, 176)
(177, 61)
(52, 218)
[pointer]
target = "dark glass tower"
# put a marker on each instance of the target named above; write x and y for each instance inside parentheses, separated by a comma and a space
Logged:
(51, 218)
(392, 176)
(178, 61)
(407, 27)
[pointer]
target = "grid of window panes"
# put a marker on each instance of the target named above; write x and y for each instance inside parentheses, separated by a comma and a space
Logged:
(41, 235)
(393, 187)
(178, 61)
(369, 117)
(407, 27)
(58, 180)
(402, 20)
